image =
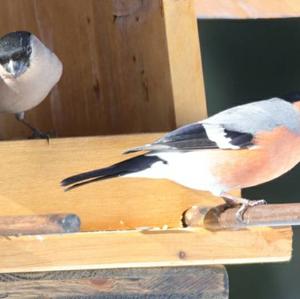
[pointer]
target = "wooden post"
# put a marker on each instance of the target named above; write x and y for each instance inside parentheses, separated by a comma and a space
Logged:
(185, 60)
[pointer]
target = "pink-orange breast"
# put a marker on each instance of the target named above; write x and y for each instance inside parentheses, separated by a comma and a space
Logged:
(274, 153)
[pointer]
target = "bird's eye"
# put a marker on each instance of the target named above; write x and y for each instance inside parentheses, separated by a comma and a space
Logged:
(16, 56)
(28, 50)
(4, 60)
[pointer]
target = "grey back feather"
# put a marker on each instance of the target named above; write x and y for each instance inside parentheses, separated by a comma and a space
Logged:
(258, 116)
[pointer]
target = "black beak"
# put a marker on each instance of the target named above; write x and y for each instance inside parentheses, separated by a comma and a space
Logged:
(15, 67)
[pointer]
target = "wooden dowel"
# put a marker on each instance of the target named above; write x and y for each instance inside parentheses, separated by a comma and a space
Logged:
(222, 217)
(39, 224)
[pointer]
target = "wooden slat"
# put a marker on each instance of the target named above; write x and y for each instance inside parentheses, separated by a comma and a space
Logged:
(31, 172)
(247, 9)
(156, 283)
(120, 249)
(118, 77)
(185, 61)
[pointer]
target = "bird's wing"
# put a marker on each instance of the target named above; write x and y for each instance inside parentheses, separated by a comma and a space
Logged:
(234, 128)
(197, 136)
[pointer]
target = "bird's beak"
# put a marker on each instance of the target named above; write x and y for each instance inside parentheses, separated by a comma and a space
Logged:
(15, 68)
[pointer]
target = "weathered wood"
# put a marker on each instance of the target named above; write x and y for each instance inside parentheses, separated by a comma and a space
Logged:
(148, 248)
(31, 172)
(39, 224)
(210, 282)
(247, 9)
(222, 217)
(119, 71)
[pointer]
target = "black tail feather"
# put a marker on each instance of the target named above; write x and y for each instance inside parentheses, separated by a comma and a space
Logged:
(134, 164)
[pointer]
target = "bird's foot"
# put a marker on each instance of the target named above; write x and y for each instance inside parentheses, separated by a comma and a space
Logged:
(244, 203)
(37, 134)
(245, 206)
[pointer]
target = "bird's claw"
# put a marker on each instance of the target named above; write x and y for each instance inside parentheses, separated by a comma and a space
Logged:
(244, 207)
(37, 134)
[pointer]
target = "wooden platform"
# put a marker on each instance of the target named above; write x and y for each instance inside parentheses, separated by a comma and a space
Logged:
(32, 171)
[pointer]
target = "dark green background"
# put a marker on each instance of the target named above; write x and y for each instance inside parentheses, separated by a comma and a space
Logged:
(245, 61)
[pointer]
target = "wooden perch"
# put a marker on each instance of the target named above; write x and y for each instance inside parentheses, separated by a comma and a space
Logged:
(156, 283)
(247, 9)
(222, 217)
(39, 224)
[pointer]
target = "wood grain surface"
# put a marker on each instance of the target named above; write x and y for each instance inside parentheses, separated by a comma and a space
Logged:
(123, 70)
(144, 248)
(31, 172)
(209, 282)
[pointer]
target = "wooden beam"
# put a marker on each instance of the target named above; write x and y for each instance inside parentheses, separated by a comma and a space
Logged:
(152, 248)
(31, 172)
(176, 282)
(247, 9)
(185, 61)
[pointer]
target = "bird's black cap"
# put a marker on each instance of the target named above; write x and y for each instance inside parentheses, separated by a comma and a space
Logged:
(15, 43)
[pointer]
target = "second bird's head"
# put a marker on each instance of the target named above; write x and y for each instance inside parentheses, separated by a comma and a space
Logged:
(15, 52)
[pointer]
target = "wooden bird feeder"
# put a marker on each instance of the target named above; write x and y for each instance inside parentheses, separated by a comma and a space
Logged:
(129, 67)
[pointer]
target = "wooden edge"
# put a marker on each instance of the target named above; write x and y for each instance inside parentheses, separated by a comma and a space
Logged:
(198, 282)
(249, 9)
(152, 248)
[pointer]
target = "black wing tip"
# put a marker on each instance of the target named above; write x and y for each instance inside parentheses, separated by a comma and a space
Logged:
(66, 182)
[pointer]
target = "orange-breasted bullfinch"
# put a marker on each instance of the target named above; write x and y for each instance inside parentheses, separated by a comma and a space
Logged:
(240, 147)
(28, 71)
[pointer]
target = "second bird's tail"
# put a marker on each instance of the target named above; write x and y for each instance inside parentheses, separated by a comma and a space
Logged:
(131, 165)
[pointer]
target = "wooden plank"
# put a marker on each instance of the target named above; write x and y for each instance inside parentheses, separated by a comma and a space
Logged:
(185, 61)
(120, 74)
(178, 283)
(152, 248)
(247, 9)
(31, 171)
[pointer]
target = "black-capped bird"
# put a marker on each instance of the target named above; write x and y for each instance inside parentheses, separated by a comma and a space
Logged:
(28, 71)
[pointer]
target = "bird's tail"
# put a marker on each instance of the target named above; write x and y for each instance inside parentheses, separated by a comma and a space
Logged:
(132, 165)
